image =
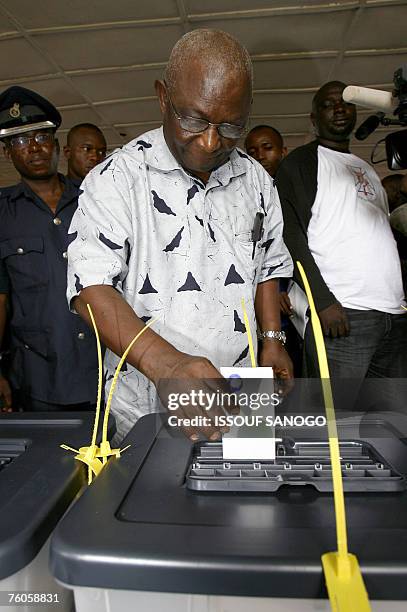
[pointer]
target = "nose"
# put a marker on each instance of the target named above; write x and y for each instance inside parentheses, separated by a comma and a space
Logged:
(33, 145)
(340, 106)
(92, 155)
(210, 139)
(258, 154)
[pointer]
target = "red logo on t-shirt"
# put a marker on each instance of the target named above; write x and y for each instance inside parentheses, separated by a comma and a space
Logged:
(364, 187)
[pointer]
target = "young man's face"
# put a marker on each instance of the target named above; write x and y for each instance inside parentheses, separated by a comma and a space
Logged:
(266, 146)
(86, 149)
(34, 154)
(333, 118)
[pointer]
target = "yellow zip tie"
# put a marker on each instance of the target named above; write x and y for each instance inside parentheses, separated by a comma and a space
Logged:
(346, 589)
(100, 376)
(89, 454)
(105, 445)
(93, 456)
(249, 334)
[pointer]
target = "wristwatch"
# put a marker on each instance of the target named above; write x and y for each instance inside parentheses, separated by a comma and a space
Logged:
(274, 335)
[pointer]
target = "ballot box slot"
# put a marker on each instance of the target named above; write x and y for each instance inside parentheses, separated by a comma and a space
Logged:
(296, 462)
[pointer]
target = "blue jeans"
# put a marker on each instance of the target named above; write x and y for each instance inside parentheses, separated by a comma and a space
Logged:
(372, 356)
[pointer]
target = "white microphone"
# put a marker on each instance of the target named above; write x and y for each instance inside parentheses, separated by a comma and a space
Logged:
(370, 98)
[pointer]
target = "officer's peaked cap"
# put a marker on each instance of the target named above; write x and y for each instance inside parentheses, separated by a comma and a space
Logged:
(23, 110)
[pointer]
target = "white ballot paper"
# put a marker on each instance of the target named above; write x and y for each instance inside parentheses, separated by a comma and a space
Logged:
(238, 443)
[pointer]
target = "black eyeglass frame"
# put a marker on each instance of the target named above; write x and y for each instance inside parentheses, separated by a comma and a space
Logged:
(239, 129)
(50, 137)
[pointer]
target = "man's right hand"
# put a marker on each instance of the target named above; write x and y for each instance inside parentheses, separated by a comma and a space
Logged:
(5, 394)
(334, 321)
(193, 375)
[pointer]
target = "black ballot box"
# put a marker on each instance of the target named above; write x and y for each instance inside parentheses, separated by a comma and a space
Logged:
(38, 482)
(141, 538)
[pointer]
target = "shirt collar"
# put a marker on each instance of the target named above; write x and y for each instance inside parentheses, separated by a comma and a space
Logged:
(75, 182)
(158, 156)
(70, 191)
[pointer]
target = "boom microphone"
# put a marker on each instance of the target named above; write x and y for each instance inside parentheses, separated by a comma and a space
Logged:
(368, 126)
(370, 98)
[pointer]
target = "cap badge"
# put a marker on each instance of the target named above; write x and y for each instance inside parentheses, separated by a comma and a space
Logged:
(15, 110)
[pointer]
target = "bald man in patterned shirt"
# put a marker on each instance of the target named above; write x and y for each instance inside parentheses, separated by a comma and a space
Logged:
(164, 229)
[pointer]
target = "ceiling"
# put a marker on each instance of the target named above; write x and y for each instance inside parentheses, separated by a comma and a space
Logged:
(97, 60)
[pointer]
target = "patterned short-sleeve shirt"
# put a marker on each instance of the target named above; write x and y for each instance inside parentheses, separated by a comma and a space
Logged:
(179, 250)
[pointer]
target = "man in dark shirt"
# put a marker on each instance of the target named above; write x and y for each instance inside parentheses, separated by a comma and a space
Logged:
(53, 353)
(85, 148)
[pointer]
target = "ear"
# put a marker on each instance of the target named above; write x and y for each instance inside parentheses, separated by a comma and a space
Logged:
(67, 152)
(7, 152)
(312, 117)
(161, 92)
(284, 151)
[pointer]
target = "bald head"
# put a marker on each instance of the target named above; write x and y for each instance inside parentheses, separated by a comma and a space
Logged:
(324, 91)
(333, 118)
(205, 99)
(212, 54)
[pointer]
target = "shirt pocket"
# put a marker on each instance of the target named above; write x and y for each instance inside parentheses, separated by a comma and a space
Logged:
(25, 262)
(248, 257)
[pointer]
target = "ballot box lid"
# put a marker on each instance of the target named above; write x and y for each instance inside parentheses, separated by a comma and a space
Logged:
(38, 479)
(139, 527)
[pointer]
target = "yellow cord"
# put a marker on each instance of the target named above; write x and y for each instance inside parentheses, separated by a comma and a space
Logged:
(249, 334)
(116, 375)
(100, 376)
(339, 500)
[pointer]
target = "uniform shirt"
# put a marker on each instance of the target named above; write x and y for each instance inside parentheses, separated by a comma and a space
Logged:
(53, 351)
(3, 278)
(179, 250)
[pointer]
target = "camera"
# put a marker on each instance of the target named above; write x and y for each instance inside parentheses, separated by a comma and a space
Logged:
(385, 102)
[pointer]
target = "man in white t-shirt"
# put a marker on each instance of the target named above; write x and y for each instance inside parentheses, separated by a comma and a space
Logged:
(336, 224)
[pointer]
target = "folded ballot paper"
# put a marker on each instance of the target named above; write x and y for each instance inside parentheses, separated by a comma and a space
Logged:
(251, 435)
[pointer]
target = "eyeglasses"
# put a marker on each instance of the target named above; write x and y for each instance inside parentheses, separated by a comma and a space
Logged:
(20, 142)
(196, 126)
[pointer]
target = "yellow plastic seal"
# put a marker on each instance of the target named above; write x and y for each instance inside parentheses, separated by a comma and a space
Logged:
(249, 334)
(344, 581)
(95, 457)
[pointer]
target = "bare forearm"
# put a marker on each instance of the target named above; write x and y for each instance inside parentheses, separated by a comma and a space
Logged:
(267, 305)
(118, 324)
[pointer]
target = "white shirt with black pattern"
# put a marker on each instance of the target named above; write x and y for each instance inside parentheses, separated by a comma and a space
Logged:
(178, 250)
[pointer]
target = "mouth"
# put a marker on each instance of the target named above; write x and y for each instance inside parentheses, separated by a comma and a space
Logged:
(38, 161)
(340, 122)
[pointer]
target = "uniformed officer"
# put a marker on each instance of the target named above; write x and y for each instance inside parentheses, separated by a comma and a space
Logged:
(53, 353)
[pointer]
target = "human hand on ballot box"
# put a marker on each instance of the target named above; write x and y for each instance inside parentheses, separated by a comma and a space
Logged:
(189, 391)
